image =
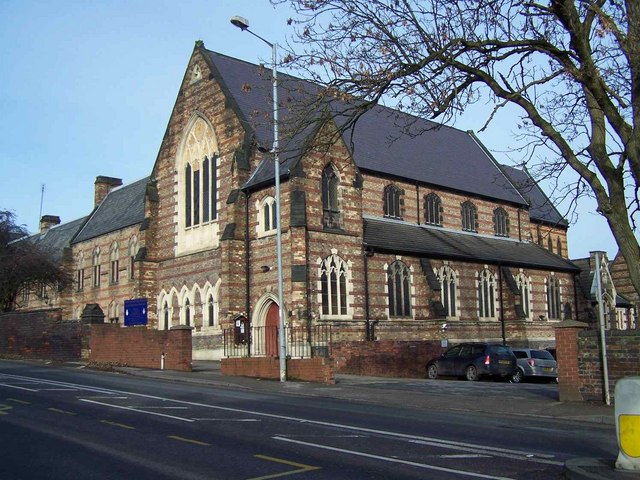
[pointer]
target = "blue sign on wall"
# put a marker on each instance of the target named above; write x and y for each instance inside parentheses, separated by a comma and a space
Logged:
(135, 312)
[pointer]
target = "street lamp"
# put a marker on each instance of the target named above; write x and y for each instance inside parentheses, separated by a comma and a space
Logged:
(243, 24)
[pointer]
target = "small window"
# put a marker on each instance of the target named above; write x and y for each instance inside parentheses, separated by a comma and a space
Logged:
(96, 267)
(114, 262)
(501, 222)
(432, 210)
(559, 246)
(549, 244)
(392, 201)
(554, 304)
(267, 216)
(469, 217)
(330, 207)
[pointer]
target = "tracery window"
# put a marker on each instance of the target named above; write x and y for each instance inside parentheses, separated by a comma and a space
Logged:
(554, 305)
(399, 288)
(524, 286)
(133, 251)
(486, 294)
(333, 281)
(330, 207)
(200, 192)
(114, 263)
(80, 272)
(392, 201)
(501, 222)
(267, 216)
(469, 217)
(96, 267)
(433, 209)
(448, 290)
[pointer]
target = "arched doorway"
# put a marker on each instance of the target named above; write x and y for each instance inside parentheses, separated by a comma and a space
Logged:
(271, 331)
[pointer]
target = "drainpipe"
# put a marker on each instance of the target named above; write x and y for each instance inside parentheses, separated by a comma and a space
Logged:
(504, 338)
(366, 254)
(247, 269)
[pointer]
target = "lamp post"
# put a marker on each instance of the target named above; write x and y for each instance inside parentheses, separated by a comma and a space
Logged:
(243, 24)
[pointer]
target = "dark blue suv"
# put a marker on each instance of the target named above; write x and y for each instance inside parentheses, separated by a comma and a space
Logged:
(474, 360)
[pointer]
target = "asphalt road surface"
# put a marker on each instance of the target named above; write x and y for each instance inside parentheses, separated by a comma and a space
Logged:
(63, 423)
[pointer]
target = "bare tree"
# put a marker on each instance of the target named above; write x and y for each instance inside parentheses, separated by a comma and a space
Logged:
(570, 68)
(23, 264)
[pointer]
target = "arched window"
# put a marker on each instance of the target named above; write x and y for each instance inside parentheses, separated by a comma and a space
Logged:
(167, 317)
(211, 313)
(133, 251)
(559, 246)
(392, 201)
(267, 216)
(96, 267)
(501, 222)
(549, 244)
(330, 207)
(448, 290)
(80, 272)
(187, 312)
(399, 286)
(200, 190)
(333, 284)
(114, 263)
(433, 209)
(469, 217)
(486, 294)
(524, 286)
(554, 305)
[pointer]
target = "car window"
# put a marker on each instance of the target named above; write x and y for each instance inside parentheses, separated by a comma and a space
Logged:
(520, 354)
(500, 350)
(452, 352)
(541, 354)
(465, 351)
(478, 350)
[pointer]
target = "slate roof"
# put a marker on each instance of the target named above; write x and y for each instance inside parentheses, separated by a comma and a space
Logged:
(434, 243)
(585, 281)
(57, 238)
(440, 156)
(121, 208)
(540, 207)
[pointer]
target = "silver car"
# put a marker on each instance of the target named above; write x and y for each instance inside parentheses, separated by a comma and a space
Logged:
(534, 364)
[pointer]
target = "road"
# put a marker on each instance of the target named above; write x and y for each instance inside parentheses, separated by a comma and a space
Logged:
(63, 423)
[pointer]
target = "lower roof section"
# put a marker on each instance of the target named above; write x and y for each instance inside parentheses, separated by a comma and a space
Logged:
(433, 242)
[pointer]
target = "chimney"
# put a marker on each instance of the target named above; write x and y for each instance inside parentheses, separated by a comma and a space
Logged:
(48, 221)
(103, 186)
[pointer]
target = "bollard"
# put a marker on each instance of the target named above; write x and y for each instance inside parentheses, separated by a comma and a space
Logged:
(627, 410)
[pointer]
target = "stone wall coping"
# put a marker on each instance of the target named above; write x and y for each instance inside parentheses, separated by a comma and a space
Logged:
(181, 327)
(572, 324)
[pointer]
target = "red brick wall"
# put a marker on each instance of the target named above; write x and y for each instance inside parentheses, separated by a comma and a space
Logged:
(308, 369)
(385, 358)
(42, 335)
(141, 347)
(580, 364)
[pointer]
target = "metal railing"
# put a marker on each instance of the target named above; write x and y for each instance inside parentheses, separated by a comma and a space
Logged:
(302, 342)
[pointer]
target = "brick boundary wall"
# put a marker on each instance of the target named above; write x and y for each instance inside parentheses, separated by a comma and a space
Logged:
(141, 347)
(317, 369)
(385, 358)
(43, 335)
(578, 349)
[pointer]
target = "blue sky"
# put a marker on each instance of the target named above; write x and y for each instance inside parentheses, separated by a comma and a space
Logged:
(87, 88)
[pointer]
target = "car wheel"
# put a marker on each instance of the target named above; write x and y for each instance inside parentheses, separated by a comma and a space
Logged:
(432, 371)
(518, 376)
(471, 373)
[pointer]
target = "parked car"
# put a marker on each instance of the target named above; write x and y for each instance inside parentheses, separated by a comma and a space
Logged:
(534, 364)
(473, 361)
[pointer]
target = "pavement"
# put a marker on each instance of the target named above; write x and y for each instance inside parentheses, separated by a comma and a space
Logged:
(433, 395)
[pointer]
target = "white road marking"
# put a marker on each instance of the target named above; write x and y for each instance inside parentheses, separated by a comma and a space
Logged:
(227, 419)
(136, 410)
(393, 460)
(18, 388)
(470, 447)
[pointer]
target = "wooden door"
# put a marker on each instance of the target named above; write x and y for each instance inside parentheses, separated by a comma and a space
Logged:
(271, 331)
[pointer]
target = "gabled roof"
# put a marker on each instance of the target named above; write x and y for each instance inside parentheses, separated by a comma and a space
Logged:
(439, 156)
(56, 239)
(439, 243)
(540, 207)
(121, 208)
